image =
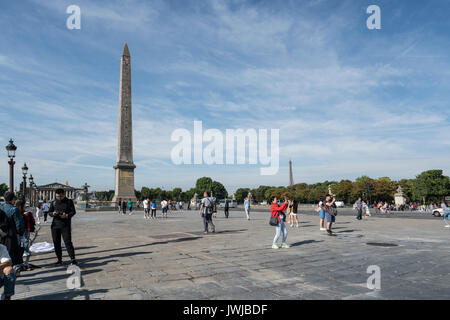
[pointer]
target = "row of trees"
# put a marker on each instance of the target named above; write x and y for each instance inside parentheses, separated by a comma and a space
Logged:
(429, 186)
(177, 194)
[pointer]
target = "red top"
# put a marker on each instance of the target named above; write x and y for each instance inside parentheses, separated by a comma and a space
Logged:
(275, 209)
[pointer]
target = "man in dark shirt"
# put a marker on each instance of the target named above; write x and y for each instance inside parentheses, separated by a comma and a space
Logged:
(62, 210)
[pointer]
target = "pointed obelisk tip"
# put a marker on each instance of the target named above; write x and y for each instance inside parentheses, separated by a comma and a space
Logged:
(126, 52)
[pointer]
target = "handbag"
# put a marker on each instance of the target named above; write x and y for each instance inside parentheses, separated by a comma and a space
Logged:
(273, 221)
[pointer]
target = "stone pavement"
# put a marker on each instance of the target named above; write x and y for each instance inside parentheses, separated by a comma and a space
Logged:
(128, 257)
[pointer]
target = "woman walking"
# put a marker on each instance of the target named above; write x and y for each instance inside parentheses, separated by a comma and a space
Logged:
(321, 210)
(278, 211)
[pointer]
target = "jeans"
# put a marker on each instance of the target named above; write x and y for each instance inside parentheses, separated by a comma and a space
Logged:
(207, 219)
(359, 216)
(446, 214)
(66, 234)
(26, 236)
(154, 213)
(9, 281)
(281, 227)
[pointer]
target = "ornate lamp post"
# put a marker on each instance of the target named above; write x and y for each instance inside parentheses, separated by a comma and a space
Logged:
(11, 148)
(24, 171)
(31, 190)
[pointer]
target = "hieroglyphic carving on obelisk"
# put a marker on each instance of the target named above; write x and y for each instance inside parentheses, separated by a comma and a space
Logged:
(124, 186)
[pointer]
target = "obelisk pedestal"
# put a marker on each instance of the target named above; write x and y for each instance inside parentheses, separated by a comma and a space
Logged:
(124, 184)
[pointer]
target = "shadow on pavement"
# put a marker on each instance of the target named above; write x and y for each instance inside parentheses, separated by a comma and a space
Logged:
(67, 295)
(30, 282)
(304, 242)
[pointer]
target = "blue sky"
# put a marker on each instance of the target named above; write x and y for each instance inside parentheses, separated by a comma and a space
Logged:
(348, 101)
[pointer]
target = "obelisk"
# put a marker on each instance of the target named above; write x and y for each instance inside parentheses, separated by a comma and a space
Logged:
(124, 186)
(291, 176)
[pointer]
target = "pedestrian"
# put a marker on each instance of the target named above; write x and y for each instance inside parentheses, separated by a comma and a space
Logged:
(38, 214)
(25, 239)
(45, 208)
(366, 210)
(206, 210)
(62, 210)
(7, 274)
(358, 207)
(247, 207)
(119, 205)
(130, 206)
(330, 213)
(226, 208)
(10, 238)
(124, 207)
(146, 204)
(446, 208)
(14, 215)
(153, 209)
(277, 211)
(164, 209)
(293, 213)
(321, 210)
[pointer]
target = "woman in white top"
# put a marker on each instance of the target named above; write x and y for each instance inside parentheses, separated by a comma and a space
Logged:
(38, 214)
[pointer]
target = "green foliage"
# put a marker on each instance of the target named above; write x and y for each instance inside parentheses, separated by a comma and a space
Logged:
(241, 194)
(431, 185)
(3, 189)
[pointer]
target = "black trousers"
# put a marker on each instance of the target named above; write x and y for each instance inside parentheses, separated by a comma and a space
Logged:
(45, 216)
(66, 233)
(226, 213)
(153, 213)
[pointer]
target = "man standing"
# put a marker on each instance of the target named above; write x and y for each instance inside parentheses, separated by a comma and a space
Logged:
(329, 213)
(164, 208)
(119, 205)
(45, 207)
(124, 207)
(247, 207)
(358, 208)
(16, 218)
(62, 210)
(130, 206)
(145, 203)
(226, 208)
(206, 210)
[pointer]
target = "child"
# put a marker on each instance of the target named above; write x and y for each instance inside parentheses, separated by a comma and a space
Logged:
(7, 275)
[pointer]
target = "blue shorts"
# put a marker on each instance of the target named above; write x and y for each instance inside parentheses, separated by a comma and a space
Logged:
(330, 218)
(322, 214)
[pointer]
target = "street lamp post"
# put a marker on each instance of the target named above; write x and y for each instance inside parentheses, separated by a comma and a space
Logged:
(31, 190)
(11, 148)
(24, 171)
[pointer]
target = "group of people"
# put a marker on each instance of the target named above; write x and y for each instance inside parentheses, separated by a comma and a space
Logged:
(122, 205)
(16, 225)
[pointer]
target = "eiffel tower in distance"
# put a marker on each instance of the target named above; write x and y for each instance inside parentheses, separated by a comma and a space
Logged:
(291, 176)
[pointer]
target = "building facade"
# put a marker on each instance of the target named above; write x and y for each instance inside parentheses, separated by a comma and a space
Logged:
(47, 192)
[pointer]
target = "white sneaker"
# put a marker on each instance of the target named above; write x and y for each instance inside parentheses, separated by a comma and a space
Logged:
(447, 226)
(323, 229)
(274, 246)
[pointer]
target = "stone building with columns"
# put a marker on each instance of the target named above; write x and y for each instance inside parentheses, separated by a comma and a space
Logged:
(47, 192)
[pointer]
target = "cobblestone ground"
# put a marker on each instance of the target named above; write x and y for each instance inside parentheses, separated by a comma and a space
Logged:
(127, 257)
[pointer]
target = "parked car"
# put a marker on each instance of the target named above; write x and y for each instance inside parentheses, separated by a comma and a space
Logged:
(339, 204)
(439, 212)
(231, 203)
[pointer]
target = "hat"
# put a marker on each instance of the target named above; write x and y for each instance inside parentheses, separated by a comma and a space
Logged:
(9, 196)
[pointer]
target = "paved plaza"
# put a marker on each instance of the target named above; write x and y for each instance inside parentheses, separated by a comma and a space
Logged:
(128, 257)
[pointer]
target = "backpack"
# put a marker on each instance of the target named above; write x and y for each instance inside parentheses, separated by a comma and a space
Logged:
(209, 205)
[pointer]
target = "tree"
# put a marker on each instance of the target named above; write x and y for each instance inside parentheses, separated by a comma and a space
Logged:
(241, 194)
(203, 184)
(219, 190)
(3, 189)
(431, 185)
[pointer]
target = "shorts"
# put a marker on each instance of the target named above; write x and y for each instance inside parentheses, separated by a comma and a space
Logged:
(330, 218)
(164, 210)
(322, 214)
(292, 214)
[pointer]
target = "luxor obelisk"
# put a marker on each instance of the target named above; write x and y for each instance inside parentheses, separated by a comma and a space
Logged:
(124, 186)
